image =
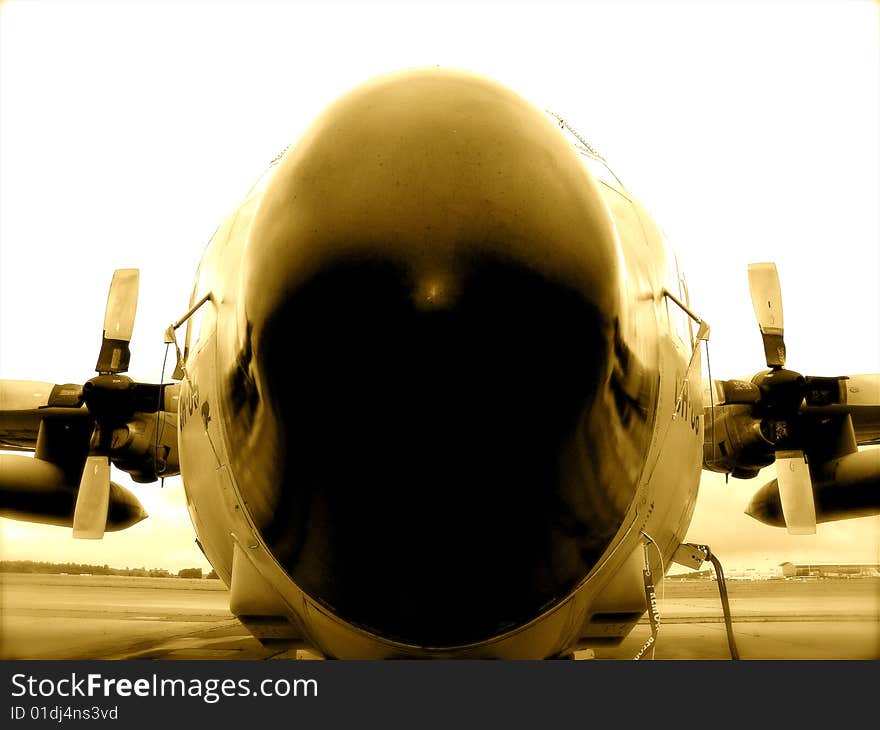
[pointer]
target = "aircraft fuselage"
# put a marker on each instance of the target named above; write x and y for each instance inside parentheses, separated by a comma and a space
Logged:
(438, 397)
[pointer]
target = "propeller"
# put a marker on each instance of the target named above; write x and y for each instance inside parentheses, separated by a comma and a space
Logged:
(92, 499)
(112, 399)
(782, 394)
(763, 419)
(796, 492)
(810, 426)
(93, 496)
(765, 423)
(767, 303)
(119, 321)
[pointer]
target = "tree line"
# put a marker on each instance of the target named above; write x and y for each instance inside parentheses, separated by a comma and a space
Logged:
(32, 566)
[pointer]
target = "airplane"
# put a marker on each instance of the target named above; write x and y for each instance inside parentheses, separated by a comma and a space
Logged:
(439, 394)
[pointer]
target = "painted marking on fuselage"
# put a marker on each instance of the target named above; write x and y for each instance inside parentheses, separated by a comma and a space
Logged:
(685, 410)
(189, 402)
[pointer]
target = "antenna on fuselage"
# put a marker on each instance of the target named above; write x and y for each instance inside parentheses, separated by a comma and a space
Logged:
(565, 125)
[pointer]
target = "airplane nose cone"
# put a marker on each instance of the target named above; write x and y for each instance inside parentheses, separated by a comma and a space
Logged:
(430, 292)
(426, 169)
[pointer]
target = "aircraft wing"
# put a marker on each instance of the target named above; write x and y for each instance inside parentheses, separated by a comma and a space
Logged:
(24, 404)
(857, 395)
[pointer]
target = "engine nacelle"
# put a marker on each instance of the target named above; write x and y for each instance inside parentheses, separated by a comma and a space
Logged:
(146, 446)
(734, 442)
(34, 490)
(842, 488)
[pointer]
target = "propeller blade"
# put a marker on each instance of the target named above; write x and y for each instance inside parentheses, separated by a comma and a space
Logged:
(119, 321)
(92, 499)
(732, 392)
(796, 492)
(767, 303)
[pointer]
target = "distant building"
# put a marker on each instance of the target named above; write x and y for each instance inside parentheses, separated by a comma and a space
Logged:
(830, 570)
(752, 574)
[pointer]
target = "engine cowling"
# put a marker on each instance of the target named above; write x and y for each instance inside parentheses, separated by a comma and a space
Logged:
(842, 488)
(34, 490)
(735, 441)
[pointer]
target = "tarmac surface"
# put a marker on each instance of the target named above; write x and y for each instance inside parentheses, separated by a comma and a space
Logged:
(114, 617)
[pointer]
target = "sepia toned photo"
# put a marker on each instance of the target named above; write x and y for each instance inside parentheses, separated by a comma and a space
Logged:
(424, 330)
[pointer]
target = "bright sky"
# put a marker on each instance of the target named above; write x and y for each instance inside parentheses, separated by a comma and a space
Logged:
(749, 129)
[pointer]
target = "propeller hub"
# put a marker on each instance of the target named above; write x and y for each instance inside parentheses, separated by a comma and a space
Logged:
(111, 399)
(782, 391)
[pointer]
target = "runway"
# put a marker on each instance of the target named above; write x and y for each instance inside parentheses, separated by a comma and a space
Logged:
(111, 617)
